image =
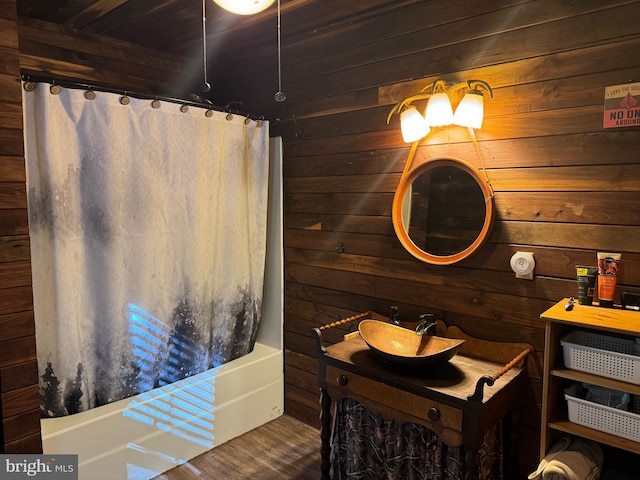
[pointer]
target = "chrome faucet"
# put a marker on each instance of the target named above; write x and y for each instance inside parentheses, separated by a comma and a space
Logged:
(426, 326)
(395, 317)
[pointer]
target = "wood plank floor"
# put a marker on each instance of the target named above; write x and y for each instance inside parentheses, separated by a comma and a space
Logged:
(284, 448)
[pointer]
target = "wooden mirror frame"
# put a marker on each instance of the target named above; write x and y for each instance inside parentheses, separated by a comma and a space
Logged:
(407, 180)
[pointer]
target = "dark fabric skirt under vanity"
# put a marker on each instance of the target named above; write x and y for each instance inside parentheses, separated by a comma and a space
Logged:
(367, 447)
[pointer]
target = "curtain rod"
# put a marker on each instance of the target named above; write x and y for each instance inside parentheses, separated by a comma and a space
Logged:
(196, 101)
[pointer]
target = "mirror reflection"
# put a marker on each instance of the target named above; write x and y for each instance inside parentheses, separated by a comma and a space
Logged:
(443, 211)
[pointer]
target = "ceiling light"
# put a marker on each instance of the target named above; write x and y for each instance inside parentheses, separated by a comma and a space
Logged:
(244, 7)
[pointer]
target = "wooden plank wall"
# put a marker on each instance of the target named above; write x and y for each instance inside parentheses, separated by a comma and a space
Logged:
(39, 48)
(565, 188)
(57, 51)
(19, 400)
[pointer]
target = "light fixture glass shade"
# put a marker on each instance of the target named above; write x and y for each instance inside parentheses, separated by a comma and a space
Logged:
(413, 125)
(244, 7)
(470, 110)
(439, 111)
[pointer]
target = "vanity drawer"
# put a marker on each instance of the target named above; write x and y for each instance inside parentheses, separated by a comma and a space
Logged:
(432, 414)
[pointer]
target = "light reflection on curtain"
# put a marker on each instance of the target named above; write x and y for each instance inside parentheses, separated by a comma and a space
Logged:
(148, 241)
(367, 447)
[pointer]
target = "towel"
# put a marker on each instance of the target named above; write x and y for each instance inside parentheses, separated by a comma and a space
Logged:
(571, 459)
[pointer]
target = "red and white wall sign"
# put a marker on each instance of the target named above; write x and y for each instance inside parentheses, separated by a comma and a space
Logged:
(622, 105)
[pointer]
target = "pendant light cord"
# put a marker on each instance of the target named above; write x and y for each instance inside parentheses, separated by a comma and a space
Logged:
(279, 54)
(279, 96)
(205, 87)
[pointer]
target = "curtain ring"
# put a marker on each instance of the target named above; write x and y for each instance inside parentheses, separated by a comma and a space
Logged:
(54, 89)
(247, 121)
(208, 113)
(229, 116)
(29, 86)
(89, 94)
(155, 103)
(184, 108)
(124, 100)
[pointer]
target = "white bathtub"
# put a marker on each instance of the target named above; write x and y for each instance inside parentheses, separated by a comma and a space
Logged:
(143, 436)
(140, 437)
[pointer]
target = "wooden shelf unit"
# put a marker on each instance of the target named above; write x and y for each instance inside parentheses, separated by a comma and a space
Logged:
(559, 322)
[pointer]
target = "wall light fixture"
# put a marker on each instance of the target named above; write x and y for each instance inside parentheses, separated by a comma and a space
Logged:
(439, 111)
(244, 7)
(413, 125)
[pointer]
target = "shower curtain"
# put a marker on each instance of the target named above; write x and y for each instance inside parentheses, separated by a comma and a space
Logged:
(148, 237)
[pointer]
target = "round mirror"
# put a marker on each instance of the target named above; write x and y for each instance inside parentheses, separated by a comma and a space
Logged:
(442, 211)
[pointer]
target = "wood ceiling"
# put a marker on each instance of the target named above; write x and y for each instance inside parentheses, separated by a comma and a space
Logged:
(174, 30)
(175, 26)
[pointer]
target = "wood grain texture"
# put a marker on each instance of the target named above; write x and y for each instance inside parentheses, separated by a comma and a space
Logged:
(284, 448)
(27, 444)
(47, 49)
(16, 325)
(14, 222)
(22, 425)
(17, 351)
(19, 396)
(18, 375)
(20, 401)
(564, 187)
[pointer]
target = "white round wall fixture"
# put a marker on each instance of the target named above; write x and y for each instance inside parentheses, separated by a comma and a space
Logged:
(522, 263)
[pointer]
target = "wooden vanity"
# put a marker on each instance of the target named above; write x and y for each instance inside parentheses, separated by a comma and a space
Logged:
(459, 400)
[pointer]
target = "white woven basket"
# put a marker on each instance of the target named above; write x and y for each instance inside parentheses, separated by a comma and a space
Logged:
(601, 355)
(601, 417)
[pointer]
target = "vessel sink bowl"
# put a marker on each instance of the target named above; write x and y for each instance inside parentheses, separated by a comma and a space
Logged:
(403, 346)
